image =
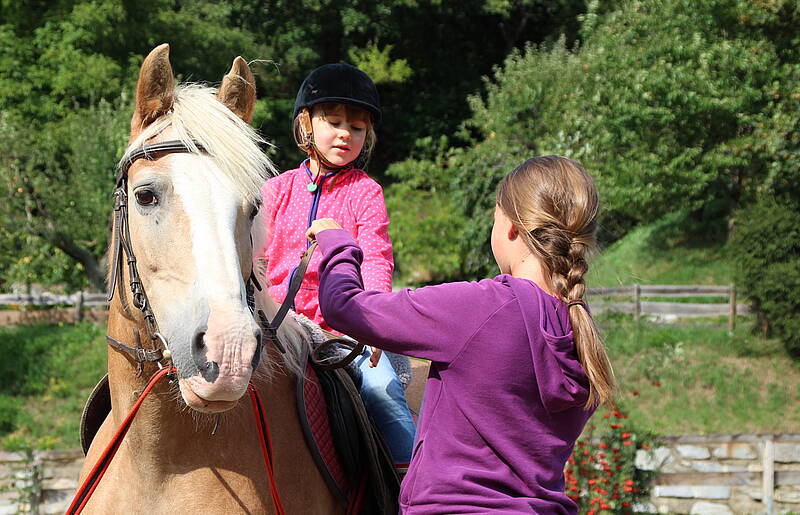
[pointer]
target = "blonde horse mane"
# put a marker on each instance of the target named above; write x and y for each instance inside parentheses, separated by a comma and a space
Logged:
(198, 116)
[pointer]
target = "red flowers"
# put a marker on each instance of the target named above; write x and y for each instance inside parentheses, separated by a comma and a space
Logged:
(601, 476)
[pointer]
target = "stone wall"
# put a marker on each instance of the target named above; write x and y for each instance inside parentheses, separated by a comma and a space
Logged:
(725, 474)
(699, 474)
(42, 482)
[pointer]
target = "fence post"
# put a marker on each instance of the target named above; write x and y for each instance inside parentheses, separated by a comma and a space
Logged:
(637, 302)
(768, 479)
(79, 307)
(732, 309)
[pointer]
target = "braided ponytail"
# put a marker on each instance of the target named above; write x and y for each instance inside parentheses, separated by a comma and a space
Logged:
(553, 202)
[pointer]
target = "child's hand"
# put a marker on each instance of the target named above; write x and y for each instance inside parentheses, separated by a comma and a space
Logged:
(323, 224)
(375, 357)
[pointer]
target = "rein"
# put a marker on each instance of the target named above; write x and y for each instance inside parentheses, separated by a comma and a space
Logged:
(93, 479)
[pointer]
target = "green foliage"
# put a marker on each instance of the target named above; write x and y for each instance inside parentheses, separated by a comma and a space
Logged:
(671, 105)
(379, 66)
(424, 250)
(666, 252)
(46, 384)
(767, 243)
(601, 475)
(56, 188)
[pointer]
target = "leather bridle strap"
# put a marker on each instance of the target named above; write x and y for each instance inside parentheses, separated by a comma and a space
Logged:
(271, 327)
(122, 243)
(148, 151)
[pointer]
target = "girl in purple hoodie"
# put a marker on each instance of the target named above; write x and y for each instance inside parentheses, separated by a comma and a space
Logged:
(517, 364)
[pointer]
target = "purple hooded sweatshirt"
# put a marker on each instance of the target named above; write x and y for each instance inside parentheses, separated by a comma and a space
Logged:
(504, 401)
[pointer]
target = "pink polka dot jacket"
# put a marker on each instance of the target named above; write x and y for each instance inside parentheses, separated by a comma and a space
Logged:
(291, 202)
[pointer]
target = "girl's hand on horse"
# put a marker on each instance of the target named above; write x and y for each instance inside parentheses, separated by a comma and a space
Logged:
(323, 224)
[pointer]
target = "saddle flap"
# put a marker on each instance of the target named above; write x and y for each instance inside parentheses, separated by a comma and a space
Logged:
(97, 408)
(344, 442)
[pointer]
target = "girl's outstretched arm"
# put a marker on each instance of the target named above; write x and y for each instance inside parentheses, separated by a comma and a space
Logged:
(434, 322)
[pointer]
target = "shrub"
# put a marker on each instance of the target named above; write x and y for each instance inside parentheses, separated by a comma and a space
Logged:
(601, 475)
(767, 251)
(424, 218)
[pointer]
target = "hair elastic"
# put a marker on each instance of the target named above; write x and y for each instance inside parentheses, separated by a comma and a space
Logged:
(576, 303)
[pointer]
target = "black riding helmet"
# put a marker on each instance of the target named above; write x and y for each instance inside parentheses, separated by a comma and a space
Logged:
(339, 83)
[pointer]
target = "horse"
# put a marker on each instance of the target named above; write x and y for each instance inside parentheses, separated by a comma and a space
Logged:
(194, 169)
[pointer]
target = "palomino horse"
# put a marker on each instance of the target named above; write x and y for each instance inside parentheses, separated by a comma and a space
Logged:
(193, 447)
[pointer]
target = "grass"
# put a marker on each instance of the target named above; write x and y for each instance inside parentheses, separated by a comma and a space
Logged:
(45, 379)
(697, 379)
(659, 253)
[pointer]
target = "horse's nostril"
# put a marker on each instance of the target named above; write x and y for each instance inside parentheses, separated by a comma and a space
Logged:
(208, 369)
(197, 342)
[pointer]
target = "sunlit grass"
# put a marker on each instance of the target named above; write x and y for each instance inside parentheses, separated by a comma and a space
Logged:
(697, 379)
(658, 254)
(46, 376)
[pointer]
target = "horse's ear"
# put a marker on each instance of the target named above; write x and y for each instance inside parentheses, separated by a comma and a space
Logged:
(238, 90)
(154, 90)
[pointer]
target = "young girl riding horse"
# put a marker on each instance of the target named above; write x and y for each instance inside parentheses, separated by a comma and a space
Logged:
(517, 365)
(335, 112)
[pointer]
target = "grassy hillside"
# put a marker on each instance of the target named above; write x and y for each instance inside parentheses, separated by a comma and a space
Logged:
(659, 253)
(693, 378)
(679, 379)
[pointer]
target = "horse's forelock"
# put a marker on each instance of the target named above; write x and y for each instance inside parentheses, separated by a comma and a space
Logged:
(197, 116)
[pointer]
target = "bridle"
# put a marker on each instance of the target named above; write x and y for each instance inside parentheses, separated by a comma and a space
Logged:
(122, 243)
(159, 349)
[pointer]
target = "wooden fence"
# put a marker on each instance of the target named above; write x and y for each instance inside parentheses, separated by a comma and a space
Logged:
(63, 307)
(621, 299)
(637, 306)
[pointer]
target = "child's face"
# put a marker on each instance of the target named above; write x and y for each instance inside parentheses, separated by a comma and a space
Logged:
(338, 135)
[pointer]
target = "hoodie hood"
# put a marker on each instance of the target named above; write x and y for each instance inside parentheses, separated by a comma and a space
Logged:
(561, 379)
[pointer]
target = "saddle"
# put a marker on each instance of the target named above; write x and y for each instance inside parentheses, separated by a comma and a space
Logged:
(345, 445)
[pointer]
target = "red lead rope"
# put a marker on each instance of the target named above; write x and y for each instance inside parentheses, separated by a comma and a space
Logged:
(266, 444)
(93, 479)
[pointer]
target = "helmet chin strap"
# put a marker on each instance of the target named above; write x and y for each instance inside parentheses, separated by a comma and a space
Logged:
(308, 146)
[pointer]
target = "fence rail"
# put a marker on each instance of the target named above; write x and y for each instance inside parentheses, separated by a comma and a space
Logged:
(620, 299)
(79, 300)
(638, 307)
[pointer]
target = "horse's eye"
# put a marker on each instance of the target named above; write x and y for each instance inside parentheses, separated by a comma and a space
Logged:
(254, 212)
(146, 198)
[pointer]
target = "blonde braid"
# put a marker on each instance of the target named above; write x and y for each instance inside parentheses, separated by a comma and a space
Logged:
(555, 205)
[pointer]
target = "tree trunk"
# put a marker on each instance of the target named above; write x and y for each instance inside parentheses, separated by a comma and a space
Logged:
(92, 266)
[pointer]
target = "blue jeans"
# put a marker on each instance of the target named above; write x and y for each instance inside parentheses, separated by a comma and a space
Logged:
(385, 401)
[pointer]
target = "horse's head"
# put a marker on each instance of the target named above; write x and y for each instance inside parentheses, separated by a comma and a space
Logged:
(190, 217)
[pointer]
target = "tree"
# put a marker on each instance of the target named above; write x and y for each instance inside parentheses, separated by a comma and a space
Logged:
(65, 63)
(66, 72)
(57, 194)
(671, 105)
